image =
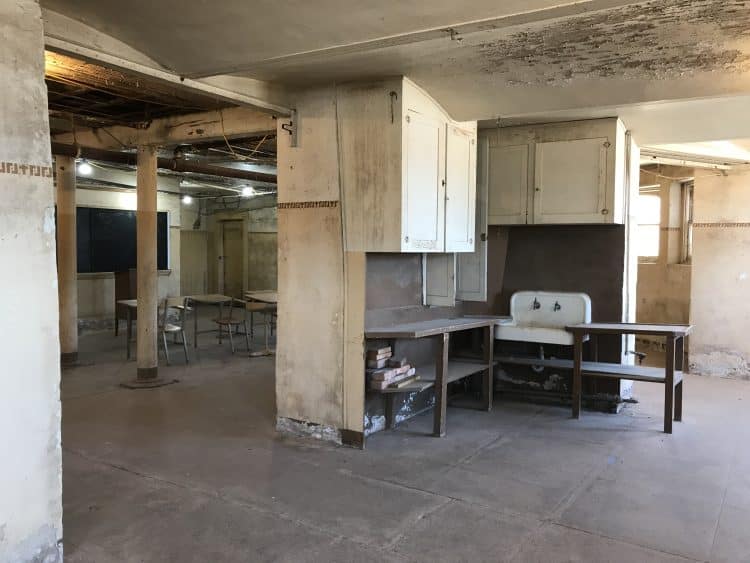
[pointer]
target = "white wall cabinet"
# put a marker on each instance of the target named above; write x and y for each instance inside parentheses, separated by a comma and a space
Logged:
(407, 170)
(562, 173)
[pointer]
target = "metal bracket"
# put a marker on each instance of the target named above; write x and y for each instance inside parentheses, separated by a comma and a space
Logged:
(291, 127)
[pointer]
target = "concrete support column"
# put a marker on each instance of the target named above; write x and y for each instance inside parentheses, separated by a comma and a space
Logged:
(67, 270)
(148, 291)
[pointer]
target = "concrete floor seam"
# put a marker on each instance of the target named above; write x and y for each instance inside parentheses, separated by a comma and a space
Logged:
(628, 542)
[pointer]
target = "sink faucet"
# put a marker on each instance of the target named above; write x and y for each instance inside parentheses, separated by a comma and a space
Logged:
(536, 305)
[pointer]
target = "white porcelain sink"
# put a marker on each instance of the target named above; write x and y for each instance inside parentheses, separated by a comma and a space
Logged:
(541, 316)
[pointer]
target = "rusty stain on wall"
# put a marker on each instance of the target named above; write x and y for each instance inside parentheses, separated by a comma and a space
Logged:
(655, 40)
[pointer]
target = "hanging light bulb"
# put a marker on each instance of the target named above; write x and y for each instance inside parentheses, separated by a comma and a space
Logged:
(248, 191)
(84, 168)
(187, 200)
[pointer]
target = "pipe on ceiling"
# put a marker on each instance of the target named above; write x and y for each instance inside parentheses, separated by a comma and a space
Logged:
(174, 164)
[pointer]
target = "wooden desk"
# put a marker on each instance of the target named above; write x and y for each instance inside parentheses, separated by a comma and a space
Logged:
(672, 377)
(131, 307)
(262, 296)
(444, 371)
(207, 299)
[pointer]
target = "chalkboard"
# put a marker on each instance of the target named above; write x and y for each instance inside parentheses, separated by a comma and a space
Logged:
(107, 240)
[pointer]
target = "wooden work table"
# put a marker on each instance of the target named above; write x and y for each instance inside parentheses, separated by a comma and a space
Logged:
(671, 376)
(444, 370)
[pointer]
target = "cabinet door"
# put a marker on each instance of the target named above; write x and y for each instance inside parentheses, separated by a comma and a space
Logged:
(439, 274)
(570, 183)
(460, 190)
(423, 211)
(508, 182)
(471, 267)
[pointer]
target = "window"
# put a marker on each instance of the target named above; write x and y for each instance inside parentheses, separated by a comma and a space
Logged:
(648, 215)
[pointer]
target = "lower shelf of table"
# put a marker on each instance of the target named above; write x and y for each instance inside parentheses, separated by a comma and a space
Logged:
(427, 376)
(598, 369)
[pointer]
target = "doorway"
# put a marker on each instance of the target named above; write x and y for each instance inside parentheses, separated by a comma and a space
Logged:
(232, 262)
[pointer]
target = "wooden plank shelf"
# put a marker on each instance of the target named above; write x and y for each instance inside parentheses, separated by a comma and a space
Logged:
(598, 369)
(456, 370)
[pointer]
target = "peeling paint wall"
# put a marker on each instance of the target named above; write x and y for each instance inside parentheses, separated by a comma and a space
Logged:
(720, 308)
(30, 471)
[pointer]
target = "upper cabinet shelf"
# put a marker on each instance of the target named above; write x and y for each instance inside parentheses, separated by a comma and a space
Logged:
(562, 173)
(408, 171)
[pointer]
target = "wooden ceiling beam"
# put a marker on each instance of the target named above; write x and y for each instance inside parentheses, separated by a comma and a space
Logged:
(177, 130)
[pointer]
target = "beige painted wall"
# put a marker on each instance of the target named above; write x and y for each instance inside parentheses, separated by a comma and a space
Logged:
(30, 470)
(720, 307)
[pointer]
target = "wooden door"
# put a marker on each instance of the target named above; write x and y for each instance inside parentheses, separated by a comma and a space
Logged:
(193, 262)
(508, 184)
(232, 258)
(570, 182)
(460, 189)
(423, 197)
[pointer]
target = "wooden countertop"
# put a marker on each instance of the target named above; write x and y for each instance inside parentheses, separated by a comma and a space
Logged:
(630, 328)
(433, 327)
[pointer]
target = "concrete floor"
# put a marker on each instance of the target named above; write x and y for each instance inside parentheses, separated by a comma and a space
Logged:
(195, 472)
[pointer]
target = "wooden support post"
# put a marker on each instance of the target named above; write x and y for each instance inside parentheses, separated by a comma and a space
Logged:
(577, 359)
(488, 376)
(669, 385)
(148, 290)
(67, 268)
(441, 384)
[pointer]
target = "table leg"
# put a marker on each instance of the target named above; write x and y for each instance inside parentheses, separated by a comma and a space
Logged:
(195, 324)
(441, 384)
(577, 359)
(129, 331)
(488, 377)
(669, 385)
(389, 414)
(678, 387)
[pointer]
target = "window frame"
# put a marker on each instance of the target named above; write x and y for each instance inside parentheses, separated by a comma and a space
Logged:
(654, 191)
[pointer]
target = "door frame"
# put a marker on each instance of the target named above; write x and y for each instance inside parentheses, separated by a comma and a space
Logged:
(220, 253)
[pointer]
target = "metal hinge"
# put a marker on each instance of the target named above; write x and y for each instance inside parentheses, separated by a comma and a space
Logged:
(291, 127)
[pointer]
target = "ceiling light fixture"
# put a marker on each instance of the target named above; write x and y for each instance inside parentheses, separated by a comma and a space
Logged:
(248, 191)
(187, 200)
(84, 168)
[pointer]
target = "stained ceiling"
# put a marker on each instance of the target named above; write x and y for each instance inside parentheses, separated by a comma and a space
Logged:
(516, 60)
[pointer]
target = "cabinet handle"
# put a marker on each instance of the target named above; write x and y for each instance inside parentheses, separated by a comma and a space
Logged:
(605, 211)
(406, 239)
(443, 182)
(483, 237)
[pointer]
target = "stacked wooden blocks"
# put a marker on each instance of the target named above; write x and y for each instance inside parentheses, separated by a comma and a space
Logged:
(385, 372)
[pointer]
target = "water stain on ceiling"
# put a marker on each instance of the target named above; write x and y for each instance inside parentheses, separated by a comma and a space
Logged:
(655, 40)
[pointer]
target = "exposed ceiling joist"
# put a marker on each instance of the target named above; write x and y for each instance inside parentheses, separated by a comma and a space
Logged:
(67, 46)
